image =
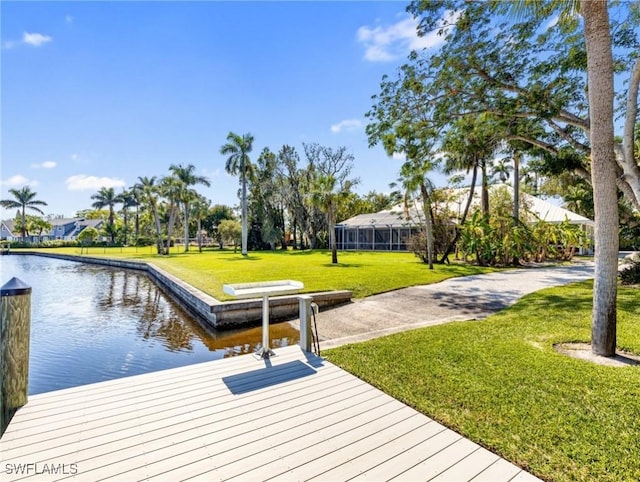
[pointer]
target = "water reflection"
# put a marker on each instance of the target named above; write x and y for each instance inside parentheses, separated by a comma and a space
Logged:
(92, 323)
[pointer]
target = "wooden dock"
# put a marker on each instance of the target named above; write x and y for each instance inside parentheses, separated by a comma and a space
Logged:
(292, 417)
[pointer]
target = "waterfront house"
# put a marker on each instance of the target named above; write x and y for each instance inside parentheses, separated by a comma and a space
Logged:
(64, 229)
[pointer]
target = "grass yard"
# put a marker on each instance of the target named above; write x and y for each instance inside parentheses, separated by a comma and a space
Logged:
(363, 273)
(500, 383)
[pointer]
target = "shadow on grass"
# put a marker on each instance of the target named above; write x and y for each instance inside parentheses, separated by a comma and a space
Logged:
(343, 265)
(249, 257)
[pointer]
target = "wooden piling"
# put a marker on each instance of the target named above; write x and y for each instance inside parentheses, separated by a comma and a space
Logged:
(15, 327)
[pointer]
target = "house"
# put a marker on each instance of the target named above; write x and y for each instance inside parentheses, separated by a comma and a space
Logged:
(7, 228)
(389, 230)
(65, 229)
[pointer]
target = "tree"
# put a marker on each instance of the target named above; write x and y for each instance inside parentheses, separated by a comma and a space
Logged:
(214, 217)
(512, 70)
(127, 198)
(173, 190)
(237, 149)
(230, 231)
(199, 210)
(295, 187)
(502, 169)
(87, 236)
(328, 194)
(107, 197)
(328, 173)
(414, 181)
(24, 198)
(149, 193)
(187, 178)
(266, 203)
(40, 225)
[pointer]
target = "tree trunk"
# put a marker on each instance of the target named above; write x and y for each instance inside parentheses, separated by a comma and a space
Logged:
(484, 195)
(24, 224)
(244, 213)
(603, 163)
(516, 186)
(426, 206)
(332, 237)
(516, 197)
(186, 227)
(295, 240)
(474, 177)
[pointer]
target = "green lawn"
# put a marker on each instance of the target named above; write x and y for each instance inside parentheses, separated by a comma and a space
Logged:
(363, 273)
(500, 383)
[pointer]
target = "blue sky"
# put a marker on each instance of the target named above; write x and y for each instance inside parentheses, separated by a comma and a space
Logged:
(98, 93)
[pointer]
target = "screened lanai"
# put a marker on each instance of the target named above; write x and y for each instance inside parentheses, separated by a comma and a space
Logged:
(381, 231)
(390, 230)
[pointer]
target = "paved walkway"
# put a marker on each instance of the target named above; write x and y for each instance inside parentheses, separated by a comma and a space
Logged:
(465, 298)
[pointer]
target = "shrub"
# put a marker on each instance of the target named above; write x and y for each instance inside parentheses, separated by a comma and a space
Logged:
(630, 274)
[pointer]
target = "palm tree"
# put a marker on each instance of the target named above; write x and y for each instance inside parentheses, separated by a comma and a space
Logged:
(24, 198)
(187, 178)
(599, 55)
(40, 225)
(107, 197)
(468, 146)
(414, 181)
(149, 191)
(238, 149)
(172, 189)
(328, 194)
(200, 210)
(127, 198)
(502, 169)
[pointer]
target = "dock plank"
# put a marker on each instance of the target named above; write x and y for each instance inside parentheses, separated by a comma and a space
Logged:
(294, 416)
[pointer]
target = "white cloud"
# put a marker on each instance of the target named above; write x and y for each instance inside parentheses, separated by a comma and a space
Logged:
(8, 44)
(18, 180)
(35, 39)
(44, 165)
(392, 42)
(208, 173)
(82, 182)
(399, 156)
(346, 125)
(68, 19)
(74, 157)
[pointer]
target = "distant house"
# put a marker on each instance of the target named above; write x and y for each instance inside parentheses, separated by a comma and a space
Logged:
(389, 230)
(65, 229)
(6, 231)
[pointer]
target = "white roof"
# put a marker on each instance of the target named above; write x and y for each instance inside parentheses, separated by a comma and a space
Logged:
(396, 216)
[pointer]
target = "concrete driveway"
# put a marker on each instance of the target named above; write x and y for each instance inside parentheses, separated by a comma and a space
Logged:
(464, 298)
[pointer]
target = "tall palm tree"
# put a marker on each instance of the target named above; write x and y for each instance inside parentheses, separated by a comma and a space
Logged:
(149, 192)
(187, 177)
(238, 149)
(599, 53)
(107, 197)
(24, 198)
(172, 189)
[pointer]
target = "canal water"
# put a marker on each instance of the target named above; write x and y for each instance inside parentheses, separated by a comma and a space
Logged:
(93, 323)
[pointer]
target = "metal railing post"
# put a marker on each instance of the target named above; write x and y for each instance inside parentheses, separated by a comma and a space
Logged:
(15, 327)
(305, 322)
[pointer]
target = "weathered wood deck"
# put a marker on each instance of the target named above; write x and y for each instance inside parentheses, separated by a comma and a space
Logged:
(294, 417)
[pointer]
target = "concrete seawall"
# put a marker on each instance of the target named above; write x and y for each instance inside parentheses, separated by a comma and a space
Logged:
(206, 308)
